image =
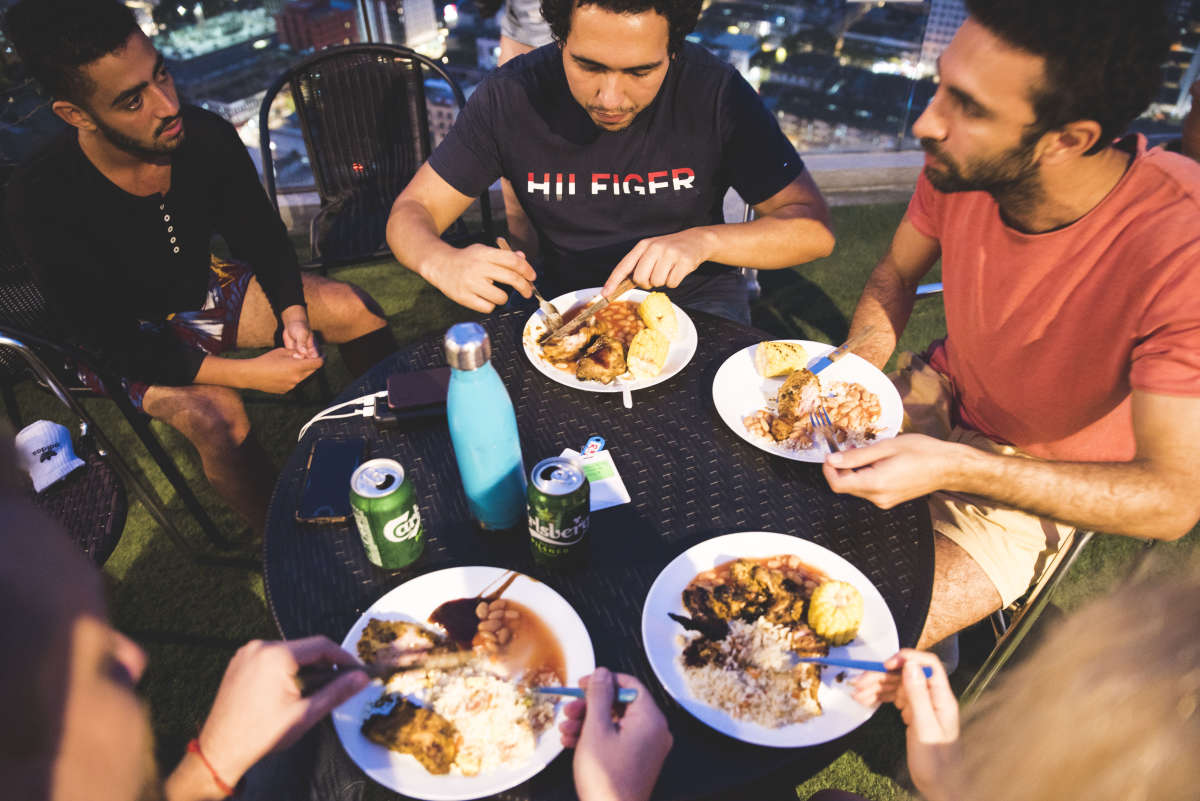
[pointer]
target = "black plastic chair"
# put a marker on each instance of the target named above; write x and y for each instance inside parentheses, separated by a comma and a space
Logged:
(31, 347)
(90, 503)
(366, 128)
(92, 506)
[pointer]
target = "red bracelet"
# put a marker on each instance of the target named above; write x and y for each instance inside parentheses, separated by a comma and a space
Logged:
(193, 747)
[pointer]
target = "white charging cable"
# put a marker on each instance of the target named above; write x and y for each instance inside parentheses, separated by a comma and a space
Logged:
(368, 410)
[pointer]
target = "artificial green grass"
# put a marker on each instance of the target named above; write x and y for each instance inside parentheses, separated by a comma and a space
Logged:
(190, 619)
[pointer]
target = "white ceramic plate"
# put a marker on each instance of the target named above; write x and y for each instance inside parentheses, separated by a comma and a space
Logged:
(739, 391)
(414, 601)
(683, 345)
(877, 638)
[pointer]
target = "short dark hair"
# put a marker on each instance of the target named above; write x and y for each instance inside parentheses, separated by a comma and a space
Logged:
(681, 15)
(1103, 58)
(54, 38)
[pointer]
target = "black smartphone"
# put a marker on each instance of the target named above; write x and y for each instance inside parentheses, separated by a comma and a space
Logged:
(326, 494)
(422, 389)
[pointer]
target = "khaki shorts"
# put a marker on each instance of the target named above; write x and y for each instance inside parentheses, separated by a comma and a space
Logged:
(1011, 546)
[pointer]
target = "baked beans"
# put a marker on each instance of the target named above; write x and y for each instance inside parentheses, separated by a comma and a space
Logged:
(852, 408)
(620, 321)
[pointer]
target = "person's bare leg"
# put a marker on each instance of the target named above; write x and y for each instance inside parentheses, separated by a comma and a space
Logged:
(214, 420)
(343, 314)
(962, 593)
(521, 235)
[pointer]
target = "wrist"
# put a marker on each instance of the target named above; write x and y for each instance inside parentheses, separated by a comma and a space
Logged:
(431, 265)
(225, 767)
(292, 314)
(192, 781)
(224, 372)
(709, 237)
(971, 470)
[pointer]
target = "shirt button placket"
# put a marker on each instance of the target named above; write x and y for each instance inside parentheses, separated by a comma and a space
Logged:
(170, 228)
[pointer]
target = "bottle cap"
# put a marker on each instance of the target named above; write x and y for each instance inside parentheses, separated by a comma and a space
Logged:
(467, 346)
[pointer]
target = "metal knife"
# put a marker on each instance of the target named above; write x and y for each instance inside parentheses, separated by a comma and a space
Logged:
(857, 664)
(841, 350)
(598, 303)
(310, 678)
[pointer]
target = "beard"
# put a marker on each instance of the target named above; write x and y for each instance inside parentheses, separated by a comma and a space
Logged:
(155, 150)
(1006, 175)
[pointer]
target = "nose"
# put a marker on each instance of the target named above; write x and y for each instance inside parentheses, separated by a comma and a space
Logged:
(166, 100)
(610, 93)
(931, 125)
(131, 655)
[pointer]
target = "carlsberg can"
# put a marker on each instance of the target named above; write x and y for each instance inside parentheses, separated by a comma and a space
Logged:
(385, 509)
(559, 513)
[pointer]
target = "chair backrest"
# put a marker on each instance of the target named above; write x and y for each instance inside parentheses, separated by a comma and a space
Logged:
(23, 310)
(366, 127)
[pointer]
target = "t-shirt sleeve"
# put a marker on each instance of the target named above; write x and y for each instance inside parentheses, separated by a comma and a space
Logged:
(924, 209)
(1166, 357)
(86, 306)
(469, 157)
(757, 158)
(250, 225)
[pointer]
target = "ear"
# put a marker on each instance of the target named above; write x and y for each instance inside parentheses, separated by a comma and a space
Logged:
(73, 115)
(1070, 141)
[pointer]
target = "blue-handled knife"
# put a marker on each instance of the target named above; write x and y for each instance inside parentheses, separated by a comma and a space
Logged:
(856, 664)
(841, 350)
(625, 695)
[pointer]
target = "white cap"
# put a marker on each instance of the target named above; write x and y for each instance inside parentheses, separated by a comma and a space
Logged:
(46, 453)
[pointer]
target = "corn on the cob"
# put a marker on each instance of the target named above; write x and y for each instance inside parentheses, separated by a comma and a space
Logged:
(773, 359)
(647, 353)
(657, 312)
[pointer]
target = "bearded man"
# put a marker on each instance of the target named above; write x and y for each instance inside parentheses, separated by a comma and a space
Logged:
(1067, 391)
(117, 216)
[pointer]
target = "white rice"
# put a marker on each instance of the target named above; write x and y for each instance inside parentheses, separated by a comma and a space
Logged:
(756, 678)
(499, 721)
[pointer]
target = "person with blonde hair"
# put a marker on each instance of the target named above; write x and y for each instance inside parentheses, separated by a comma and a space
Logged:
(1106, 709)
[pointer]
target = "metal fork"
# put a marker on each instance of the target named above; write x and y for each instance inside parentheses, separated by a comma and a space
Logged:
(554, 320)
(824, 426)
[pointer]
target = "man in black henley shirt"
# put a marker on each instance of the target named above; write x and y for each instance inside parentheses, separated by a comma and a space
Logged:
(117, 215)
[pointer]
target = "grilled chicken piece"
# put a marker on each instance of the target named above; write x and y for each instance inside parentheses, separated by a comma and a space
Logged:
(569, 348)
(799, 395)
(399, 644)
(411, 729)
(806, 643)
(603, 361)
(781, 429)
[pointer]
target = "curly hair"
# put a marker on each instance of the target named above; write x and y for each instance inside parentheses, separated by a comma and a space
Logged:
(1103, 58)
(681, 15)
(54, 38)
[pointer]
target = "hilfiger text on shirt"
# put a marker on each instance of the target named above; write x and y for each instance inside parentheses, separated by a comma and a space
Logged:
(559, 185)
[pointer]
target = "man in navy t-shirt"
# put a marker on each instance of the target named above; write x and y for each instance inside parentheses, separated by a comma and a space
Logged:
(620, 140)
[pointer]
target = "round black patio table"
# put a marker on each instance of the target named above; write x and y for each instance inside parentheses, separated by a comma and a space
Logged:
(690, 478)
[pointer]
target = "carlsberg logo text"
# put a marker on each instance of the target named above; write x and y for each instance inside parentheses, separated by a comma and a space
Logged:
(405, 527)
(548, 532)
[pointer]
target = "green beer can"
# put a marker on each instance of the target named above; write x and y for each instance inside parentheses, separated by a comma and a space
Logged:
(559, 504)
(385, 509)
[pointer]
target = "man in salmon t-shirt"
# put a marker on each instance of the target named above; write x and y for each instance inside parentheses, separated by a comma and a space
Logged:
(1067, 391)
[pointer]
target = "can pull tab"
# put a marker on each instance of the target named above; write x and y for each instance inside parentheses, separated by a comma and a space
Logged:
(595, 444)
(380, 479)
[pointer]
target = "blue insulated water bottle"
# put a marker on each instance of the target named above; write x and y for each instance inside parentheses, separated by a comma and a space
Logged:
(483, 428)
